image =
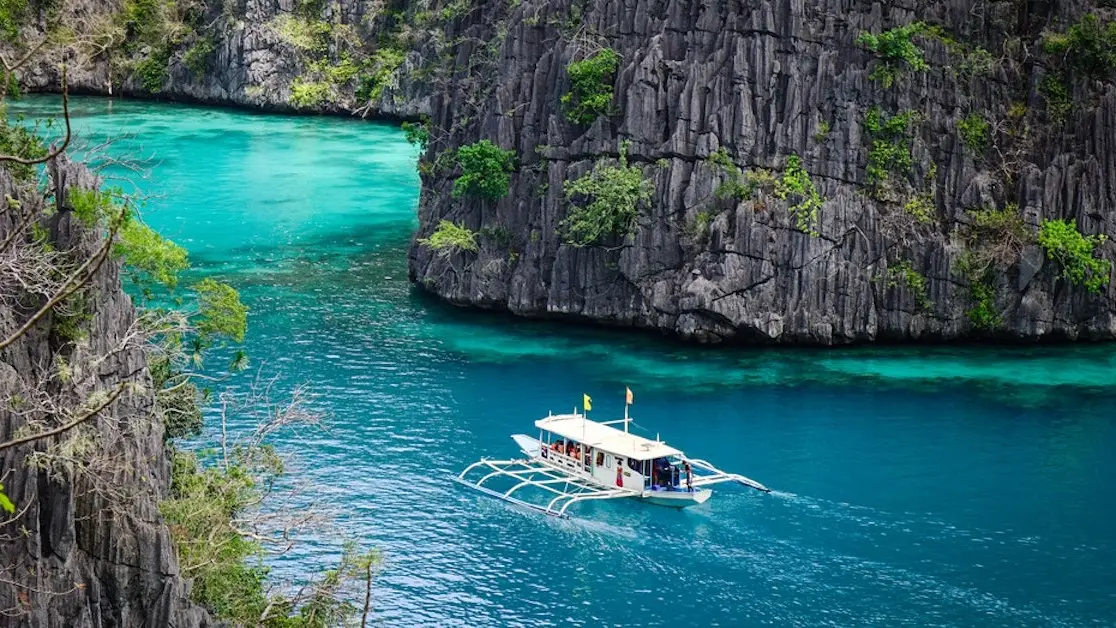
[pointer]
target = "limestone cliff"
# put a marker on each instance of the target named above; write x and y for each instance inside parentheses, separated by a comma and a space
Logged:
(760, 81)
(315, 56)
(930, 184)
(87, 545)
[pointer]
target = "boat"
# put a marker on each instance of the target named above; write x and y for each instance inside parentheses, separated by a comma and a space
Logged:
(575, 459)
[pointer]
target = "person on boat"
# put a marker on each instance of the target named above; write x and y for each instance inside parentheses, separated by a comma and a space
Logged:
(689, 475)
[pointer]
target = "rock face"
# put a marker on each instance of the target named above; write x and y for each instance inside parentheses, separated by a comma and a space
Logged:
(252, 62)
(87, 545)
(758, 82)
(764, 80)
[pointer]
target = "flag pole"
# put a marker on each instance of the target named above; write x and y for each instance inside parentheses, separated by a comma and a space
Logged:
(627, 402)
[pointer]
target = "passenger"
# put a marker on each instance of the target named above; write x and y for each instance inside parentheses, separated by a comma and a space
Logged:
(689, 475)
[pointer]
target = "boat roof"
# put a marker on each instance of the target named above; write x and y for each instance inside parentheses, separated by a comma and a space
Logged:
(605, 437)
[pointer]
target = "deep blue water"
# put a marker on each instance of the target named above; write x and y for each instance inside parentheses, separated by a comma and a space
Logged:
(925, 486)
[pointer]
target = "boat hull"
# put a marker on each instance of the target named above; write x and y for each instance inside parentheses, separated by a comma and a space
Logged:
(677, 499)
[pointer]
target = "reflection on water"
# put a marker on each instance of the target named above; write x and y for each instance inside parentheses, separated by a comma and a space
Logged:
(927, 486)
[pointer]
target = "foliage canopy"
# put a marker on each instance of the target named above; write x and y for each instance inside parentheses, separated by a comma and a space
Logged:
(605, 201)
(1075, 253)
(591, 86)
(896, 50)
(484, 170)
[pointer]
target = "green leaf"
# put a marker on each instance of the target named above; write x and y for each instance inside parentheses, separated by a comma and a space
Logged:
(6, 503)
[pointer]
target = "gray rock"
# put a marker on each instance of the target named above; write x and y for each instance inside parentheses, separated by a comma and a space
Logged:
(756, 79)
(82, 553)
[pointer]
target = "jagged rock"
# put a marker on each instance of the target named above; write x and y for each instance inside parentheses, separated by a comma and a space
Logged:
(81, 553)
(757, 78)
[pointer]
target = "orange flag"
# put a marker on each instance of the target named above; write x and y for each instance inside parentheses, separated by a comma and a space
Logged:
(629, 396)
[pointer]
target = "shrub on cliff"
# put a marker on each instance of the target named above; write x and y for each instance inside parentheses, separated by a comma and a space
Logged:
(606, 201)
(891, 148)
(449, 238)
(591, 86)
(974, 130)
(1075, 253)
(484, 170)
(796, 183)
(1088, 47)
(896, 50)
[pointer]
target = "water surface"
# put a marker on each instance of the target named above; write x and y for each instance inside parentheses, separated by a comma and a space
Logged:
(924, 486)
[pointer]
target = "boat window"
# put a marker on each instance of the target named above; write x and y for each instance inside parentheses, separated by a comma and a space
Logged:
(600, 458)
(608, 462)
(633, 464)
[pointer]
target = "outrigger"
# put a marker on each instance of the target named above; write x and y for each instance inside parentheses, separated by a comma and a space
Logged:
(575, 460)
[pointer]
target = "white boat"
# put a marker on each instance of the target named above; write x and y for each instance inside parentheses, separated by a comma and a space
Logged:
(575, 459)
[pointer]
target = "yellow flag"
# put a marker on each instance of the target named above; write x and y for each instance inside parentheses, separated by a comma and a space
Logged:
(629, 398)
(587, 402)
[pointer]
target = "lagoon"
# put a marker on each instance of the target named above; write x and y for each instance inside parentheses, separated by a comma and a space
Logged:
(920, 485)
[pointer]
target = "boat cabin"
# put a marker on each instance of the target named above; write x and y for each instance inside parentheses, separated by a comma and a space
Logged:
(609, 456)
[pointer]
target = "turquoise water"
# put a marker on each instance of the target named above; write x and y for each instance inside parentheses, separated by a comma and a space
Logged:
(926, 486)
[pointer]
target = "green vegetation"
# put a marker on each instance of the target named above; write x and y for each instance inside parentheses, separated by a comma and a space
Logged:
(1075, 253)
(417, 133)
(994, 240)
(796, 182)
(739, 185)
(591, 86)
(18, 139)
(605, 201)
(976, 63)
(1058, 103)
(220, 311)
(1088, 47)
(5, 503)
(13, 14)
(199, 55)
(310, 94)
(484, 170)
(891, 146)
(735, 186)
(449, 237)
(699, 229)
(72, 317)
(822, 132)
(153, 28)
(152, 71)
(210, 495)
(983, 313)
(903, 274)
(976, 266)
(302, 32)
(1086, 50)
(921, 208)
(974, 130)
(381, 70)
(896, 50)
(149, 256)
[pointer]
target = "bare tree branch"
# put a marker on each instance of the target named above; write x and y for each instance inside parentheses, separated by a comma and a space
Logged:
(70, 286)
(68, 426)
(65, 141)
